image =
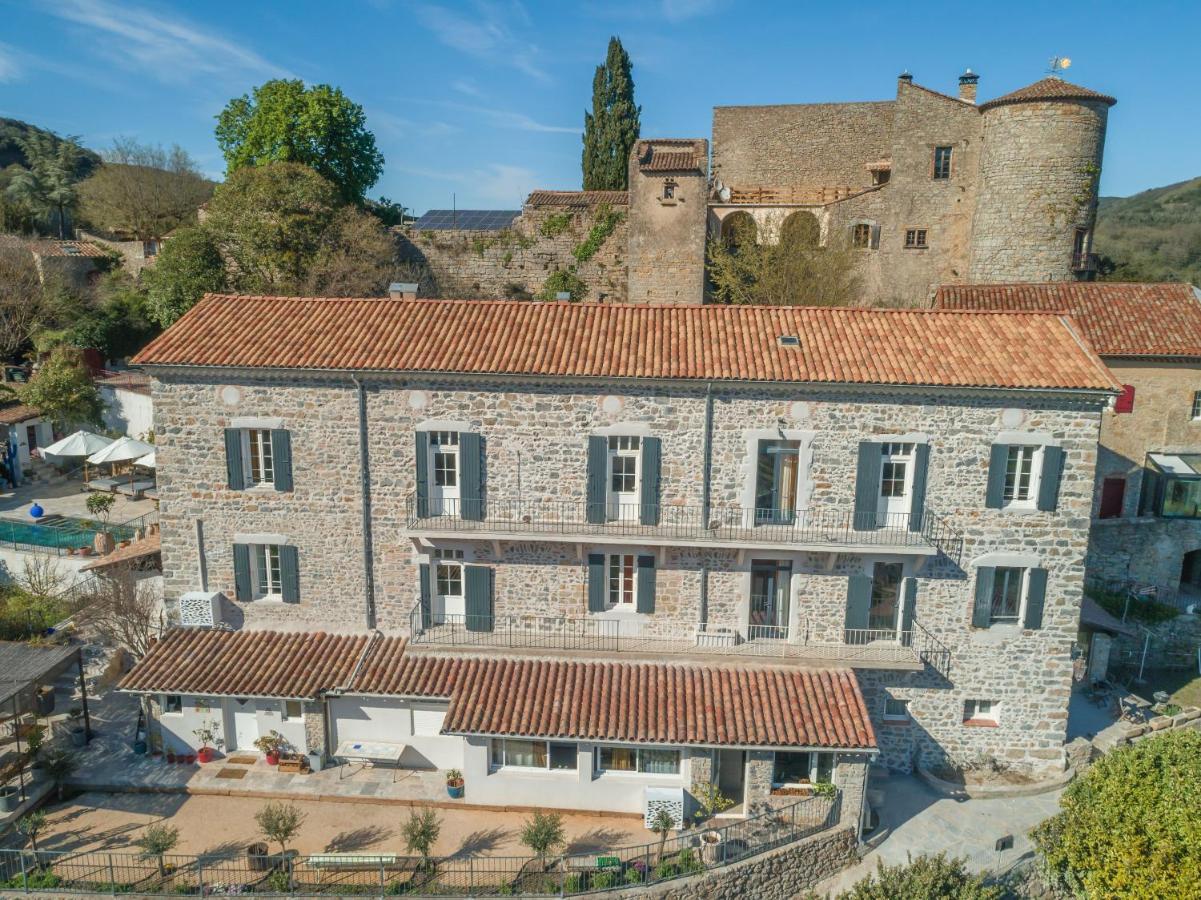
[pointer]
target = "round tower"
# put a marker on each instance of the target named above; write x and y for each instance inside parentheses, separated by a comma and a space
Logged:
(1040, 164)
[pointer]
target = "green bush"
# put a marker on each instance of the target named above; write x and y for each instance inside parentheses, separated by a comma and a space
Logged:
(689, 861)
(1129, 826)
(606, 220)
(1148, 611)
(633, 876)
(666, 870)
(575, 883)
(602, 880)
(556, 224)
(924, 878)
(563, 280)
(33, 881)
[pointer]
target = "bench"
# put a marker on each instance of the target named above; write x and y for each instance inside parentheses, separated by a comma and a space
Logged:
(352, 860)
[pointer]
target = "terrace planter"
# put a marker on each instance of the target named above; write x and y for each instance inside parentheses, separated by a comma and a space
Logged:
(710, 847)
(10, 799)
(273, 757)
(205, 754)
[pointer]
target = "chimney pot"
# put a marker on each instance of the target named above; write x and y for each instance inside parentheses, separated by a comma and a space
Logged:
(967, 86)
(905, 77)
(402, 290)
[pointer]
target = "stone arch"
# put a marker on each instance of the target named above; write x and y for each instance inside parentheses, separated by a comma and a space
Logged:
(801, 228)
(739, 228)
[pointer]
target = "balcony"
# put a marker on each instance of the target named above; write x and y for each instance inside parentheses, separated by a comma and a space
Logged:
(1084, 263)
(860, 648)
(816, 530)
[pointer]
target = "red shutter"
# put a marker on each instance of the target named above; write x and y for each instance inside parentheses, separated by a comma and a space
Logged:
(1113, 492)
(1125, 401)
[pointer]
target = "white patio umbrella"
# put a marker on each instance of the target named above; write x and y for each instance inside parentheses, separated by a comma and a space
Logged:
(147, 461)
(121, 450)
(81, 443)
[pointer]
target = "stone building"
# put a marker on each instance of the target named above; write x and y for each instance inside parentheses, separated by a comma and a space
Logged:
(930, 188)
(895, 501)
(1146, 513)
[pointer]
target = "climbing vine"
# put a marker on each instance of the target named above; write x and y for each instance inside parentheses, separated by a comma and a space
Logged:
(602, 227)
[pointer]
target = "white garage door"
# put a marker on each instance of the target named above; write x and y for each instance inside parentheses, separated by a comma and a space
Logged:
(369, 720)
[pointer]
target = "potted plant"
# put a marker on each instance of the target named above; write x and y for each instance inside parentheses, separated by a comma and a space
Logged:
(79, 734)
(35, 737)
(272, 744)
(454, 784)
(9, 798)
(207, 735)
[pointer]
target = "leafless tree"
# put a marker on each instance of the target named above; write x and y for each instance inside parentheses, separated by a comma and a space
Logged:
(122, 609)
(22, 309)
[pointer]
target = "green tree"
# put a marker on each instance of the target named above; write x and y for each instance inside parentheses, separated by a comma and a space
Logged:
(188, 266)
(1129, 826)
(924, 878)
(49, 185)
(612, 127)
(62, 390)
(157, 841)
(420, 834)
(542, 832)
(31, 825)
(60, 765)
(283, 121)
(142, 191)
(279, 822)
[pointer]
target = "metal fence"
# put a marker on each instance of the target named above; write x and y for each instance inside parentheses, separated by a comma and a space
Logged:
(64, 535)
(380, 875)
(1179, 598)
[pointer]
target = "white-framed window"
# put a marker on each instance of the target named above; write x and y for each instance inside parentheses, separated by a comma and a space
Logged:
(1008, 595)
(1197, 404)
(638, 760)
(980, 710)
(448, 578)
(1023, 465)
(444, 456)
(172, 704)
(861, 236)
(266, 575)
(895, 469)
(515, 753)
(291, 711)
(915, 239)
(797, 768)
(256, 454)
(623, 581)
(896, 709)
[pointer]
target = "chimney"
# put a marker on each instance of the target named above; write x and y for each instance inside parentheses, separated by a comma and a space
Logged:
(400, 290)
(967, 86)
(905, 77)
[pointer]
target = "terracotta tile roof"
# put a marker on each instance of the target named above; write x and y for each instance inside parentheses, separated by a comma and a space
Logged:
(147, 546)
(578, 199)
(138, 382)
(1117, 319)
(671, 156)
(1050, 88)
(650, 702)
(17, 413)
(512, 337)
(250, 663)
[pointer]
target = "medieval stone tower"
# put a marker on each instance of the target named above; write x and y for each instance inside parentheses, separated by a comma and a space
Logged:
(1040, 164)
(668, 192)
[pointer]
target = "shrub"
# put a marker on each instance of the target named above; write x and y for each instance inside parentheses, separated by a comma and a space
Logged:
(576, 883)
(563, 280)
(33, 881)
(556, 224)
(1128, 826)
(633, 876)
(1149, 611)
(542, 832)
(279, 822)
(421, 832)
(602, 880)
(666, 870)
(157, 840)
(606, 220)
(920, 879)
(689, 861)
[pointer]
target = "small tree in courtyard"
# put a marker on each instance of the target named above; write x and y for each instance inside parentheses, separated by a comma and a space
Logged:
(157, 841)
(662, 824)
(280, 822)
(60, 765)
(542, 832)
(421, 834)
(31, 825)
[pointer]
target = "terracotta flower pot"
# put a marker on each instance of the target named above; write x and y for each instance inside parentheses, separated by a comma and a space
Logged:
(205, 754)
(272, 758)
(170, 756)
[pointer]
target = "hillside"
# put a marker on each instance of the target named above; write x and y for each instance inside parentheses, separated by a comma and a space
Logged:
(1152, 236)
(11, 130)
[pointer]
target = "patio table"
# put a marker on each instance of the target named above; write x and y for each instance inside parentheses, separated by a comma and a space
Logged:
(369, 753)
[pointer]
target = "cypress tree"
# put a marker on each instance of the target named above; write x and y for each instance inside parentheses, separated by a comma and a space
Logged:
(612, 127)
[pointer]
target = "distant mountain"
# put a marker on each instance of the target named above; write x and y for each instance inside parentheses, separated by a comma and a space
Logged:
(1152, 236)
(11, 130)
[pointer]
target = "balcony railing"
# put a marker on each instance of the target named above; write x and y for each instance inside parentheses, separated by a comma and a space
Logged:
(860, 646)
(1084, 262)
(724, 525)
(792, 195)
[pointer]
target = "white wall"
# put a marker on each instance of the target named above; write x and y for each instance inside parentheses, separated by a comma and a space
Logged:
(127, 411)
(581, 789)
(392, 720)
(177, 728)
(45, 436)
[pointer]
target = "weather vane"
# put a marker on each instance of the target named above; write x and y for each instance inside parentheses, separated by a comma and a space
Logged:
(1058, 64)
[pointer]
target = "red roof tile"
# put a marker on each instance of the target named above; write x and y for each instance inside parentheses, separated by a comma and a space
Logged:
(593, 340)
(1049, 88)
(137, 550)
(16, 413)
(578, 199)
(659, 703)
(671, 156)
(249, 663)
(1117, 319)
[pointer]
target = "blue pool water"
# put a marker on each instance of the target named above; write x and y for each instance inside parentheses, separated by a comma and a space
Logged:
(61, 534)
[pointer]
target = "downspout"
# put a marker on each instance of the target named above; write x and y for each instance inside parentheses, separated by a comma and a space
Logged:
(365, 487)
(706, 486)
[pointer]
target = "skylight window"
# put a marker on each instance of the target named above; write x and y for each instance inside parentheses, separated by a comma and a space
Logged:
(788, 340)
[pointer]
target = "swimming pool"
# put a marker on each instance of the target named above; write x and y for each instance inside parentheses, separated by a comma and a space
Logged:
(61, 533)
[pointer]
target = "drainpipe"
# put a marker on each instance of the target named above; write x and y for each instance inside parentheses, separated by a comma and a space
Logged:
(706, 486)
(365, 486)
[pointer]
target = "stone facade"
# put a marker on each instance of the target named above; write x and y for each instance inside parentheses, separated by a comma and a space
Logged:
(534, 436)
(517, 261)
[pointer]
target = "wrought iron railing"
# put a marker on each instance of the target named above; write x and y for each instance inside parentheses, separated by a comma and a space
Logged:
(798, 641)
(1084, 262)
(726, 524)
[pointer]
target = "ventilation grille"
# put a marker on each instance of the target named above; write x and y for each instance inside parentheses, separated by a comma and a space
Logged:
(198, 609)
(670, 799)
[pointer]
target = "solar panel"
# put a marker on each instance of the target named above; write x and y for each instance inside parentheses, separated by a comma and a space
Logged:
(466, 219)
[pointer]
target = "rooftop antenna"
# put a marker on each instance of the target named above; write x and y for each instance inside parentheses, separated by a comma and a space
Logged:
(1058, 64)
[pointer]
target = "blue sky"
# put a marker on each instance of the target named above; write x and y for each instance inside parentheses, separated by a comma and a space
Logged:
(485, 98)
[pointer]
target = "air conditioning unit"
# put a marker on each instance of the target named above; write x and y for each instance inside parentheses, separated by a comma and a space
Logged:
(668, 798)
(200, 609)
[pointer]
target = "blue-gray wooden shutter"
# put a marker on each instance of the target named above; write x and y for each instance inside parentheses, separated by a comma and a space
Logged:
(1036, 597)
(281, 458)
(426, 591)
(423, 474)
(477, 597)
(875, 237)
(471, 470)
(596, 582)
(998, 458)
(917, 503)
(859, 600)
(243, 589)
(289, 573)
(1048, 483)
(651, 451)
(646, 584)
(867, 486)
(982, 608)
(908, 605)
(234, 470)
(598, 471)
